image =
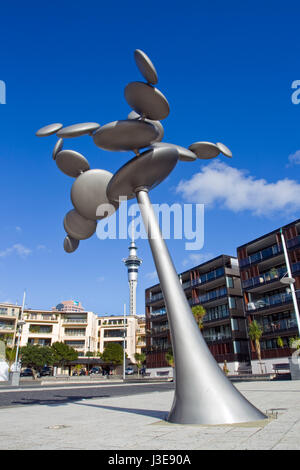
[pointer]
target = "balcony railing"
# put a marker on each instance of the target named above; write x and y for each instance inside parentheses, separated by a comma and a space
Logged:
(267, 302)
(208, 277)
(270, 276)
(276, 326)
(4, 326)
(75, 320)
(261, 255)
(209, 296)
(296, 267)
(293, 242)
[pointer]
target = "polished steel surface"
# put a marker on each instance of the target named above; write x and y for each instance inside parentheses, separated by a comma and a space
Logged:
(89, 192)
(77, 130)
(129, 134)
(70, 244)
(79, 227)
(203, 394)
(58, 147)
(48, 130)
(147, 101)
(185, 155)
(147, 170)
(205, 150)
(225, 150)
(71, 163)
(145, 66)
(133, 115)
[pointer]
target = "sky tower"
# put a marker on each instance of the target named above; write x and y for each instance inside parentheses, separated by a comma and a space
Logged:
(132, 262)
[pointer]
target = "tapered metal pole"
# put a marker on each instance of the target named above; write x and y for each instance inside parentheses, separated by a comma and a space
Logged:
(203, 394)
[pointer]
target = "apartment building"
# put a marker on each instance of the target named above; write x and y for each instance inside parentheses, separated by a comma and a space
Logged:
(82, 330)
(111, 329)
(266, 299)
(216, 286)
(9, 315)
(44, 327)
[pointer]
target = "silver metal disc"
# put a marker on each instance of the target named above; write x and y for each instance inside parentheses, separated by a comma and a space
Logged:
(78, 129)
(205, 150)
(79, 227)
(58, 147)
(48, 130)
(185, 155)
(71, 163)
(88, 193)
(145, 66)
(70, 244)
(225, 150)
(125, 135)
(147, 101)
(147, 171)
(157, 124)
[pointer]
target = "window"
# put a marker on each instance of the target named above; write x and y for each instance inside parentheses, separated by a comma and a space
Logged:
(234, 324)
(229, 281)
(231, 302)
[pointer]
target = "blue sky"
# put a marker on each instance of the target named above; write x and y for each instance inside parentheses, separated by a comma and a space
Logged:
(226, 70)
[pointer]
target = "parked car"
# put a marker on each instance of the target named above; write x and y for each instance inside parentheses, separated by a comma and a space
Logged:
(129, 371)
(26, 372)
(46, 371)
(95, 370)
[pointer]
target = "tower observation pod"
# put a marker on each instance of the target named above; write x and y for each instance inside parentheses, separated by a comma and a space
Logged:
(132, 262)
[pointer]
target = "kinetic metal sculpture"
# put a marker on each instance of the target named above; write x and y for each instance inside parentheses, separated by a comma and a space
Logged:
(203, 394)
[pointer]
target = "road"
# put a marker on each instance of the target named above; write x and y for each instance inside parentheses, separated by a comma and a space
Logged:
(54, 394)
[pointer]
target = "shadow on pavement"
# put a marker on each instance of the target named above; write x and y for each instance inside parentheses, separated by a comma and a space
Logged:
(153, 413)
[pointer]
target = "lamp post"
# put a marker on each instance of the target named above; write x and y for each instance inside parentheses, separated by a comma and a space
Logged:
(290, 280)
(15, 380)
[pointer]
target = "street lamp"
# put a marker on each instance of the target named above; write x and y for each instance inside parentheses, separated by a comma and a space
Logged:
(15, 380)
(290, 280)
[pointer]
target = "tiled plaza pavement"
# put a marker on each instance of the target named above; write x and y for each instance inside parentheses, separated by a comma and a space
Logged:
(137, 422)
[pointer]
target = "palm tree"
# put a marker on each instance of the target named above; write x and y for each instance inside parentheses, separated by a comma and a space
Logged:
(199, 312)
(255, 332)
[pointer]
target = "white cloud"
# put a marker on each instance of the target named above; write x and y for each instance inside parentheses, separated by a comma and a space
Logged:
(237, 191)
(18, 249)
(294, 158)
(152, 275)
(197, 258)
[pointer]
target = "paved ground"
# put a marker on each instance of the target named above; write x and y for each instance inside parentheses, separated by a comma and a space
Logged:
(136, 422)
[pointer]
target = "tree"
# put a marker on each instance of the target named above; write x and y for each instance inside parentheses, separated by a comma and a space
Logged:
(255, 333)
(280, 342)
(170, 358)
(140, 358)
(10, 355)
(36, 356)
(113, 352)
(63, 353)
(199, 312)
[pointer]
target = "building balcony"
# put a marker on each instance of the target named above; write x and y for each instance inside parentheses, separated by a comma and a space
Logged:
(75, 321)
(205, 278)
(263, 279)
(209, 296)
(293, 243)
(296, 268)
(262, 255)
(4, 327)
(279, 326)
(271, 301)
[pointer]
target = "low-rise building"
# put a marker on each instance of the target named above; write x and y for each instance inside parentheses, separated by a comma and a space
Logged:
(9, 315)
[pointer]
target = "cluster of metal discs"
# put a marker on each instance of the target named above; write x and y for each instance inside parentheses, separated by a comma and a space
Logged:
(142, 128)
